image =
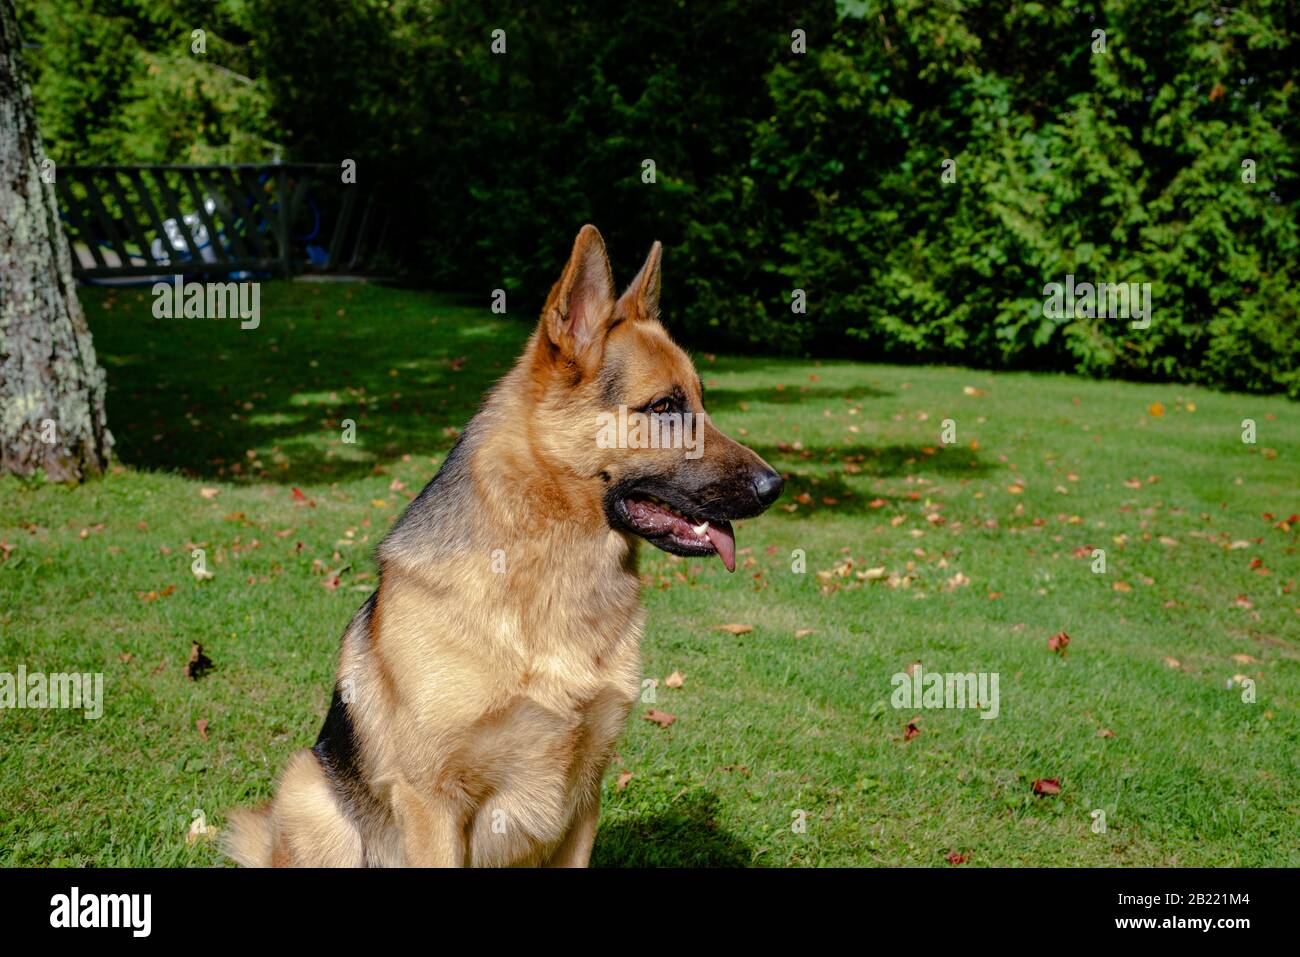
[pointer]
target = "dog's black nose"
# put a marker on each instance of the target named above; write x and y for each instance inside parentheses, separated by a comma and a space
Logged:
(767, 486)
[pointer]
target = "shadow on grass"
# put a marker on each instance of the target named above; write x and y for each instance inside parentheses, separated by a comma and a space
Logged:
(208, 400)
(197, 396)
(716, 399)
(687, 835)
(814, 475)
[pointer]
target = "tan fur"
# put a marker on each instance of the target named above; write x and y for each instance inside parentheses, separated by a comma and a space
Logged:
(486, 705)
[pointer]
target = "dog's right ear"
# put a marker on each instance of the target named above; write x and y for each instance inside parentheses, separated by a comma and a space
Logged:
(578, 310)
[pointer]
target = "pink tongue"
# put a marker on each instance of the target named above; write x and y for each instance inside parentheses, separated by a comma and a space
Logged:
(725, 542)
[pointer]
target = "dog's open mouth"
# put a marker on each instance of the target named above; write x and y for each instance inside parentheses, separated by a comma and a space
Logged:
(665, 527)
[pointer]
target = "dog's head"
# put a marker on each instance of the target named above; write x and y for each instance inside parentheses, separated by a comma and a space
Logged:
(626, 415)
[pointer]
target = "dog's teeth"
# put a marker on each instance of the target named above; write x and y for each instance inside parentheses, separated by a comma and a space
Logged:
(701, 528)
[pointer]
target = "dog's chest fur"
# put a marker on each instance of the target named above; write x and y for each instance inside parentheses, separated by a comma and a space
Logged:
(503, 690)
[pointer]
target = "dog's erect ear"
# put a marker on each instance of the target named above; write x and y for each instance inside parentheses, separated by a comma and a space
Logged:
(579, 308)
(641, 300)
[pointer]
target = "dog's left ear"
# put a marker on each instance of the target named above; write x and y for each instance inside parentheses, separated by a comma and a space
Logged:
(578, 311)
(641, 301)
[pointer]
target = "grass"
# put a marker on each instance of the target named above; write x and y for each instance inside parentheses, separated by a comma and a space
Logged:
(986, 546)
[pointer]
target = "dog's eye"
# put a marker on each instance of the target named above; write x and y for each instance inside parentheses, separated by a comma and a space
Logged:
(661, 406)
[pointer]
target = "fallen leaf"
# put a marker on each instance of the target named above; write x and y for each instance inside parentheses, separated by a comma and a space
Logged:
(912, 729)
(1105, 733)
(956, 581)
(1173, 662)
(202, 725)
(1059, 643)
(675, 679)
(199, 663)
(802, 632)
(209, 493)
(661, 718)
(155, 595)
(1156, 410)
(1047, 786)
(623, 778)
(735, 629)
(954, 858)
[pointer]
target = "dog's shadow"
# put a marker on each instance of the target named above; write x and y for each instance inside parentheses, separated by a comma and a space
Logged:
(685, 835)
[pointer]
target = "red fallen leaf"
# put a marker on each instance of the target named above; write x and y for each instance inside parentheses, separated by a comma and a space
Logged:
(202, 725)
(876, 503)
(803, 498)
(331, 582)
(1241, 601)
(298, 496)
(771, 549)
(1047, 786)
(199, 663)
(623, 778)
(912, 729)
(954, 858)
(1059, 643)
(458, 363)
(661, 718)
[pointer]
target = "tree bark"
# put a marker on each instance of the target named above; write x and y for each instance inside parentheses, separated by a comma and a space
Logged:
(52, 415)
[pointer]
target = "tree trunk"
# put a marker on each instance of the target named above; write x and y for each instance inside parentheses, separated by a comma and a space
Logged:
(51, 386)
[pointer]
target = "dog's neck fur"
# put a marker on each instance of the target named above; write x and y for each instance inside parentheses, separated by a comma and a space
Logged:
(498, 490)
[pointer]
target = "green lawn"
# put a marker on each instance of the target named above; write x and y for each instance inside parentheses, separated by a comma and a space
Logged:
(985, 545)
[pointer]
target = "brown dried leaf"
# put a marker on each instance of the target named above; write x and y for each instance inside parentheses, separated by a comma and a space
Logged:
(661, 718)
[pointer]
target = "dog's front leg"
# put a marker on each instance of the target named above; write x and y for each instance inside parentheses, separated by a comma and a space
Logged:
(432, 828)
(575, 849)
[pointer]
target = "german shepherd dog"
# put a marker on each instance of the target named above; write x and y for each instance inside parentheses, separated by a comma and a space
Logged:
(482, 686)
